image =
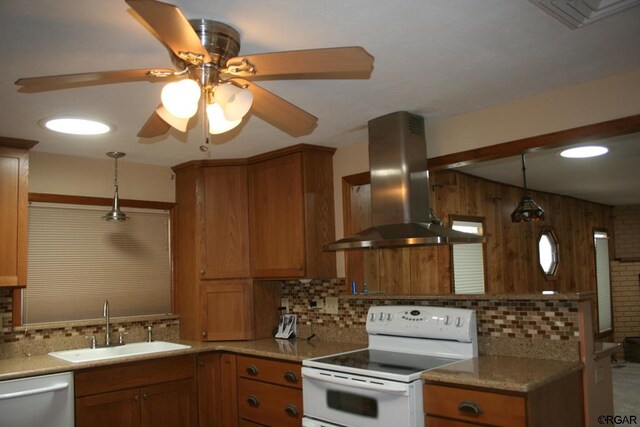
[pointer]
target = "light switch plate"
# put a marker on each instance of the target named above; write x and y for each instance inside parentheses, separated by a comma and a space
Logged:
(284, 302)
(331, 305)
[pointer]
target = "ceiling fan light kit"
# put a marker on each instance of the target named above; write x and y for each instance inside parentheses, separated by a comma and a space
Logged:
(218, 123)
(181, 98)
(206, 55)
(175, 122)
(235, 101)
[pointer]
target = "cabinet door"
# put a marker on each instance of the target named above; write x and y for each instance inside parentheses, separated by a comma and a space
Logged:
(170, 404)
(209, 390)
(229, 397)
(277, 217)
(14, 167)
(227, 309)
(226, 223)
(119, 408)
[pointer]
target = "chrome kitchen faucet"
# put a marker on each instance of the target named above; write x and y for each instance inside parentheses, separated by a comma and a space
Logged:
(105, 314)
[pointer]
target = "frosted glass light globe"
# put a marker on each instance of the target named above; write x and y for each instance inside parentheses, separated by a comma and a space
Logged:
(217, 121)
(181, 98)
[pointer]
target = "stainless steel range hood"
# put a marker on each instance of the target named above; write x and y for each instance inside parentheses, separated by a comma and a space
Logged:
(400, 190)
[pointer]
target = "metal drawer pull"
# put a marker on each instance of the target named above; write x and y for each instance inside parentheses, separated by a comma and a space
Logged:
(253, 401)
(291, 410)
(470, 407)
(252, 370)
(290, 377)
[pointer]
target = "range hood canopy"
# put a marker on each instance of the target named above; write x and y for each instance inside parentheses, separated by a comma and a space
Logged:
(401, 213)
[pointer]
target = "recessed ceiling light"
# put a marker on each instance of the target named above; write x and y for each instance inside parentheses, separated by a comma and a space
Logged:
(584, 152)
(76, 125)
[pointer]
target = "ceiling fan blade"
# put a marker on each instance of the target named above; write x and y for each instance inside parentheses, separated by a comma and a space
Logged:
(66, 81)
(278, 112)
(332, 63)
(172, 27)
(154, 126)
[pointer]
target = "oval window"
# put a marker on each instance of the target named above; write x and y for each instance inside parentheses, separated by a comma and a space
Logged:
(548, 253)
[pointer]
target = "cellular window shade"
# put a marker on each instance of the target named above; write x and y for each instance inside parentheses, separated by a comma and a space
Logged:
(603, 284)
(468, 261)
(77, 260)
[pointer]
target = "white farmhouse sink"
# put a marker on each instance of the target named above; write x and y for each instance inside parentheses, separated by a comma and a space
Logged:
(133, 349)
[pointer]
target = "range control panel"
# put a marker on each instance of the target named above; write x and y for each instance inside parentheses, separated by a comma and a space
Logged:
(456, 324)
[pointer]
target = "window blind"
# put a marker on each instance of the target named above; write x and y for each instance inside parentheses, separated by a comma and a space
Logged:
(77, 260)
(468, 261)
(603, 284)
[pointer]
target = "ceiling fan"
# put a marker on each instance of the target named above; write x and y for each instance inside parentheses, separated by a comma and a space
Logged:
(212, 76)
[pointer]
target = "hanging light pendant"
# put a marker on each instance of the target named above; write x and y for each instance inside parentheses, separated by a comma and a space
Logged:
(115, 214)
(527, 210)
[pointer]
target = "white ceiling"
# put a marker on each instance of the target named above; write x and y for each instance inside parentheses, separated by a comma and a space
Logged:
(432, 57)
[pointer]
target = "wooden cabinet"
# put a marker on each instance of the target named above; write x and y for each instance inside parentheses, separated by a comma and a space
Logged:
(213, 291)
(558, 403)
(269, 392)
(160, 392)
(291, 213)
(14, 194)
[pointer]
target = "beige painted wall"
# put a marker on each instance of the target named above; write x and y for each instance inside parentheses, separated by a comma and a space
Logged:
(577, 105)
(81, 176)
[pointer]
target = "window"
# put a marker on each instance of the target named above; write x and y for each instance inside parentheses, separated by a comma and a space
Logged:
(603, 283)
(77, 260)
(468, 259)
(548, 253)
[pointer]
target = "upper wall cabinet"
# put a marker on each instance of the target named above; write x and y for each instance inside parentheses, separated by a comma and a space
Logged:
(291, 213)
(14, 194)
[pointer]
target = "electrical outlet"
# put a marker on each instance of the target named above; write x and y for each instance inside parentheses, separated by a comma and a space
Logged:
(319, 304)
(331, 305)
(284, 302)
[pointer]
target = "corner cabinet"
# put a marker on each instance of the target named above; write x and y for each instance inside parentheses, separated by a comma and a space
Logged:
(213, 291)
(291, 213)
(14, 194)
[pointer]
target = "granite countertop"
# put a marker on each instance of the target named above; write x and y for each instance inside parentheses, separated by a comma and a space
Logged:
(515, 374)
(293, 350)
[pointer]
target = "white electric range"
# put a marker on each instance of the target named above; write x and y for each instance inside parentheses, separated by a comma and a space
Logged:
(381, 385)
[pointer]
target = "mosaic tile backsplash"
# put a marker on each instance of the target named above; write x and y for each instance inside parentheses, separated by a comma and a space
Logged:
(541, 328)
(523, 328)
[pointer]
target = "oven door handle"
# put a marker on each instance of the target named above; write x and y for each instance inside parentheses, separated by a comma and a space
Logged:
(383, 388)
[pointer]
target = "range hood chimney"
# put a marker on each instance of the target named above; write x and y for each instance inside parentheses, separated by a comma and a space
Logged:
(400, 210)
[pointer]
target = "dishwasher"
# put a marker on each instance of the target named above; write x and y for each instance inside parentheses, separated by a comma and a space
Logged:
(45, 400)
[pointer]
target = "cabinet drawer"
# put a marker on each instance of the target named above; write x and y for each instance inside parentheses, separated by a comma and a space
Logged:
(271, 371)
(269, 404)
(461, 404)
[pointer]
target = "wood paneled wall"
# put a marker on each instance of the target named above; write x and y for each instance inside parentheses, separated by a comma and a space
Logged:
(510, 249)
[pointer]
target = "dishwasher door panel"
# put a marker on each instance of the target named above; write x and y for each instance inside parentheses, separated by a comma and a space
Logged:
(45, 400)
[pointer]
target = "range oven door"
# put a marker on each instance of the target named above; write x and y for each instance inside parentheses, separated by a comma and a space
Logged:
(338, 398)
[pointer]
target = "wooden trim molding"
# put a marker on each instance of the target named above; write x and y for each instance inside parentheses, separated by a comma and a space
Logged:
(17, 143)
(98, 201)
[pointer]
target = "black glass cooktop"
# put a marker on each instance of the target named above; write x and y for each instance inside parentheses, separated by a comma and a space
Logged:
(386, 361)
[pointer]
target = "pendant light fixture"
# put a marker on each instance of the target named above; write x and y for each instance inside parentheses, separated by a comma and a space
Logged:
(115, 214)
(527, 210)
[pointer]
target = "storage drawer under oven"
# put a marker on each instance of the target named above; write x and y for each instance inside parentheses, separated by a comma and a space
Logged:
(269, 404)
(353, 400)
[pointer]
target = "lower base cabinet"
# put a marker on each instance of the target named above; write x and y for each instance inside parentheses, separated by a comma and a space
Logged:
(157, 393)
(558, 403)
(260, 392)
